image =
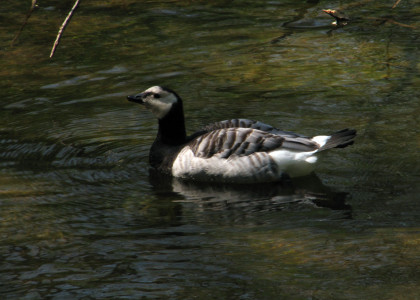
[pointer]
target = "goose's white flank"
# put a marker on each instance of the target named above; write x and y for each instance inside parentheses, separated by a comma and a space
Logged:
(237, 151)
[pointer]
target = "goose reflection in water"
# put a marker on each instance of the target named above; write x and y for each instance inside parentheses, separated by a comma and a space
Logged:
(308, 191)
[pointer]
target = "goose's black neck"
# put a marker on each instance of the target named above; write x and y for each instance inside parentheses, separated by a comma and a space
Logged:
(172, 127)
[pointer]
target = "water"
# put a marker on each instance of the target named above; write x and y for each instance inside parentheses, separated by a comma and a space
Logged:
(82, 218)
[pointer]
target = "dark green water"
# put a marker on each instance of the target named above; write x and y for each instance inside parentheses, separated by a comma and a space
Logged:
(82, 218)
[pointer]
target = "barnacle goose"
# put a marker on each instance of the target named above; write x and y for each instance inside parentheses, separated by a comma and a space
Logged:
(237, 151)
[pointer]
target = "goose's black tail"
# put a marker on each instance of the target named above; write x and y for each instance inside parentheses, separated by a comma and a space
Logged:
(340, 139)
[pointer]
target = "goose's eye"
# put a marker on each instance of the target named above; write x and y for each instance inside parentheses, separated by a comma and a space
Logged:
(156, 96)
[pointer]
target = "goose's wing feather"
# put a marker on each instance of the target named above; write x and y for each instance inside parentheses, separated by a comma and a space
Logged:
(229, 142)
(246, 123)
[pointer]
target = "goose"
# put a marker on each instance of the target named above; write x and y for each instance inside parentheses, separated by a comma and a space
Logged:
(230, 151)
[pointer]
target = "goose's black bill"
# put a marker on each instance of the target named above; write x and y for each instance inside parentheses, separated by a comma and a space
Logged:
(136, 98)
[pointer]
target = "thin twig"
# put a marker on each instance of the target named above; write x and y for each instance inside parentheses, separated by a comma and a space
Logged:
(28, 15)
(396, 3)
(63, 26)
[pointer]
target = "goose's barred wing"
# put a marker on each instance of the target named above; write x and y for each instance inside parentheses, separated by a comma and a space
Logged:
(246, 123)
(228, 142)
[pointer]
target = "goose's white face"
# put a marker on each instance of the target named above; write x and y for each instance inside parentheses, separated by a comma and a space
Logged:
(157, 99)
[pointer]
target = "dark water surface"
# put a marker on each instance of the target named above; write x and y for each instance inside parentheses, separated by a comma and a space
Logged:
(82, 218)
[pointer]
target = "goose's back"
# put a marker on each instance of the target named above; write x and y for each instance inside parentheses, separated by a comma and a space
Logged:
(246, 123)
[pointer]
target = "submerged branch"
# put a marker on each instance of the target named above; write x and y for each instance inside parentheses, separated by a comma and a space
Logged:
(396, 3)
(392, 21)
(63, 26)
(381, 21)
(28, 15)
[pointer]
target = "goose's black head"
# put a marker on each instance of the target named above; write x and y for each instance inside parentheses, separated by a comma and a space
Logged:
(158, 99)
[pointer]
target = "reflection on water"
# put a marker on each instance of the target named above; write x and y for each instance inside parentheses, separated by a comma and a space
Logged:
(82, 218)
(242, 199)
